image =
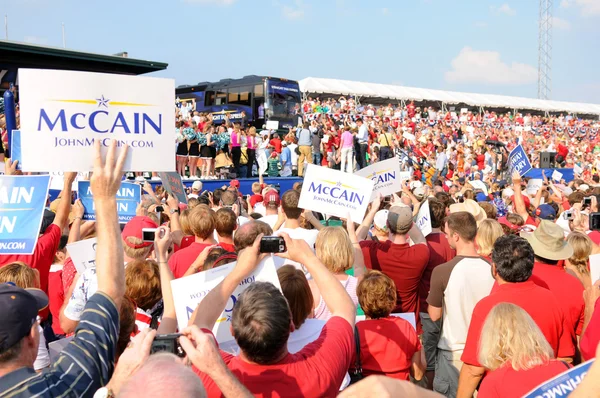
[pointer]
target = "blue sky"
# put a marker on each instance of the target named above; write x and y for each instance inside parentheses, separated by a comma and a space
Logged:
(464, 45)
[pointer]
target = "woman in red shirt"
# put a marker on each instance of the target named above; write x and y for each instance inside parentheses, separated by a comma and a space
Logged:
(518, 361)
(389, 345)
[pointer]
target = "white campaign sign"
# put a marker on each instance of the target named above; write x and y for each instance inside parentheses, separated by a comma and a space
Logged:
(595, 267)
(577, 169)
(385, 176)
(83, 254)
(190, 290)
(404, 176)
(272, 124)
(64, 112)
(335, 193)
(424, 219)
(557, 175)
(57, 180)
(533, 186)
(478, 184)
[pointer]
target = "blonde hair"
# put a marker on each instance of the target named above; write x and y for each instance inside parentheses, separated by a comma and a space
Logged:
(140, 253)
(510, 335)
(185, 224)
(20, 274)
(582, 248)
(489, 230)
(334, 249)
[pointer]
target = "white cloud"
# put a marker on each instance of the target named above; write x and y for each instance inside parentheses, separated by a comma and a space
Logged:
(212, 2)
(588, 8)
(293, 12)
(486, 67)
(385, 11)
(561, 24)
(503, 9)
(481, 24)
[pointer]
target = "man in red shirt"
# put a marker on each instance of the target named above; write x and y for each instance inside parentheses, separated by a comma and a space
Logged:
(550, 247)
(261, 323)
(512, 268)
(47, 244)
(275, 143)
(202, 223)
(225, 225)
(403, 263)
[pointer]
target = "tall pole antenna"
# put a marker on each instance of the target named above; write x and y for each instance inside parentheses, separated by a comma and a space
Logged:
(6, 26)
(63, 36)
(545, 50)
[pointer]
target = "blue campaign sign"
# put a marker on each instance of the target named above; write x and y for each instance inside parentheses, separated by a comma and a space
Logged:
(563, 384)
(518, 161)
(22, 202)
(128, 197)
(173, 184)
(15, 148)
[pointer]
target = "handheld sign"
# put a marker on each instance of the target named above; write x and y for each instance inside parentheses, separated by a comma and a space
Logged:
(534, 185)
(385, 176)
(58, 180)
(22, 202)
(83, 254)
(15, 148)
(189, 291)
(128, 197)
(576, 169)
(557, 175)
(64, 112)
(478, 184)
(336, 193)
(518, 160)
(174, 186)
(563, 384)
(272, 124)
(424, 219)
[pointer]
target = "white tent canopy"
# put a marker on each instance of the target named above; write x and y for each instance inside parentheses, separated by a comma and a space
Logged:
(314, 85)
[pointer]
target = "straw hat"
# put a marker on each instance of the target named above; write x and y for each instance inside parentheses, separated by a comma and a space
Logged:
(548, 241)
(470, 206)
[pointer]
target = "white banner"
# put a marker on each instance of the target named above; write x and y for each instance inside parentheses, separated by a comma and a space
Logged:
(557, 175)
(189, 291)
(385, 176)
(335, 193)
(478, 184)
(534, 185)
(64, 112)
(424, 219)
(83, 254)
(57, 180)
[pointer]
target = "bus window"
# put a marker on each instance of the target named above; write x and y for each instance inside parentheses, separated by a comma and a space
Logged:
(221, 97)
(259, 90)
(239, 96)
(210, 98)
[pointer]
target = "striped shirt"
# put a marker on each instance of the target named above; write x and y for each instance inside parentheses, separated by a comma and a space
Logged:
(85, 365)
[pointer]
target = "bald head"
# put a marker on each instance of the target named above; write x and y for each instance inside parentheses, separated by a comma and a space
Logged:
(175, 379)
(247, 233)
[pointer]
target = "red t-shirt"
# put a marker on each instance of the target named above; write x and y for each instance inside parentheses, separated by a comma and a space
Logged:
(227, 246)
(186, 241)
(480, 161)
(562, 150)
(68, 274)
(56, 298)
(440, 252)
(595, 237)
(254, 199)
(276, 144)
(387, 346)
(315, 371)
(507, 382)
(591, 336)
(404, 264)
(538, 302)
(42, 257)
(181, 260)
(567, 289)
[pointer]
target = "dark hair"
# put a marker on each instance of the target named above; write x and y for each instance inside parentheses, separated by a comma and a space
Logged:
(261, 320)
(490, 209)
(464, 224)
(13, 352)
(217, 196)
(513, 257)
(444, 198)
(297, 292)
(437, 212)
(289, 204)
(255, 216)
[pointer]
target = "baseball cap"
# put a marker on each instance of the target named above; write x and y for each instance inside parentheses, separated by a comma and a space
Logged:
(19, 309)
(197, 185)
(399, 218)
(380, 220)
(481, 197)
(545, 212)
(134, 228)
(419, 191)
(235, 184)
(271, 197)
(284, 143)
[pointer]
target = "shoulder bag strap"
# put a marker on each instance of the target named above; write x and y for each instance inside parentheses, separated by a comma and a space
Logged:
(358, 363)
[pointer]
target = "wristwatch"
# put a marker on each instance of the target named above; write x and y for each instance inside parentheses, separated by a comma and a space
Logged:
(173, 211)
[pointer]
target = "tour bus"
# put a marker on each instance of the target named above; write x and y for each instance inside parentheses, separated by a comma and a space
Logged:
(264, 99)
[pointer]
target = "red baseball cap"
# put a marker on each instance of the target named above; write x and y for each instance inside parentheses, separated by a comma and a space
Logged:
(271, 197)
(134, 228)
(234, 183)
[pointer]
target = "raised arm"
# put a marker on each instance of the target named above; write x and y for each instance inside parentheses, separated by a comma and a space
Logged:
(520, 208)
(75, 231)
(64, 206)
(105, 183)
(359, 260)
(176, 232)
(162, 243)
(335, 296)
(363, 229)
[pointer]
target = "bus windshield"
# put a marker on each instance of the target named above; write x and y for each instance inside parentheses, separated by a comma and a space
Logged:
(283, 98)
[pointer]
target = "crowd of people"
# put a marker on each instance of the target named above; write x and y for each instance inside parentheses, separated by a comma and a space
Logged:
(344, 135)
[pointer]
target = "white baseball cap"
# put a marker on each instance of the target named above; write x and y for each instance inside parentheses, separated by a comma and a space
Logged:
(380, 220)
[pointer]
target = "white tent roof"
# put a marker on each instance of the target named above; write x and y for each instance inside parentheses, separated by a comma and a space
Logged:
(346, 87)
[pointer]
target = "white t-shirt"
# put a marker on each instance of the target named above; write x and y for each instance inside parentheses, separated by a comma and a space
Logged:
(309, 235)
(86, 286)
(271, 220)
(294, 154)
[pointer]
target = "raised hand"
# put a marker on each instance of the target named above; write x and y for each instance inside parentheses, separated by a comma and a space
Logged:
(106, 180)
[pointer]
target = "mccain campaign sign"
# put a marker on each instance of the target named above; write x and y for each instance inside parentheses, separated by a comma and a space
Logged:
(129, 196)
(335, 193)
(63, 113)
(22, 202)
(385, 175)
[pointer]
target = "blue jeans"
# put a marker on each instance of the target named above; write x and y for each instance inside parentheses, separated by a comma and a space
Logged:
(316, 158)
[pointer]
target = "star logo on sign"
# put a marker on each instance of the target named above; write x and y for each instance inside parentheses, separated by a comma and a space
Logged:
(102, 102)
(339, 184)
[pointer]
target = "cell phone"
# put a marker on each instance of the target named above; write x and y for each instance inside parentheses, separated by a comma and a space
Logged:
(460, 198)
(272, 244)
(159, 209)
(148, 234)
(167, 343)
(595, 222)
(587, 201)
(568, 215)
